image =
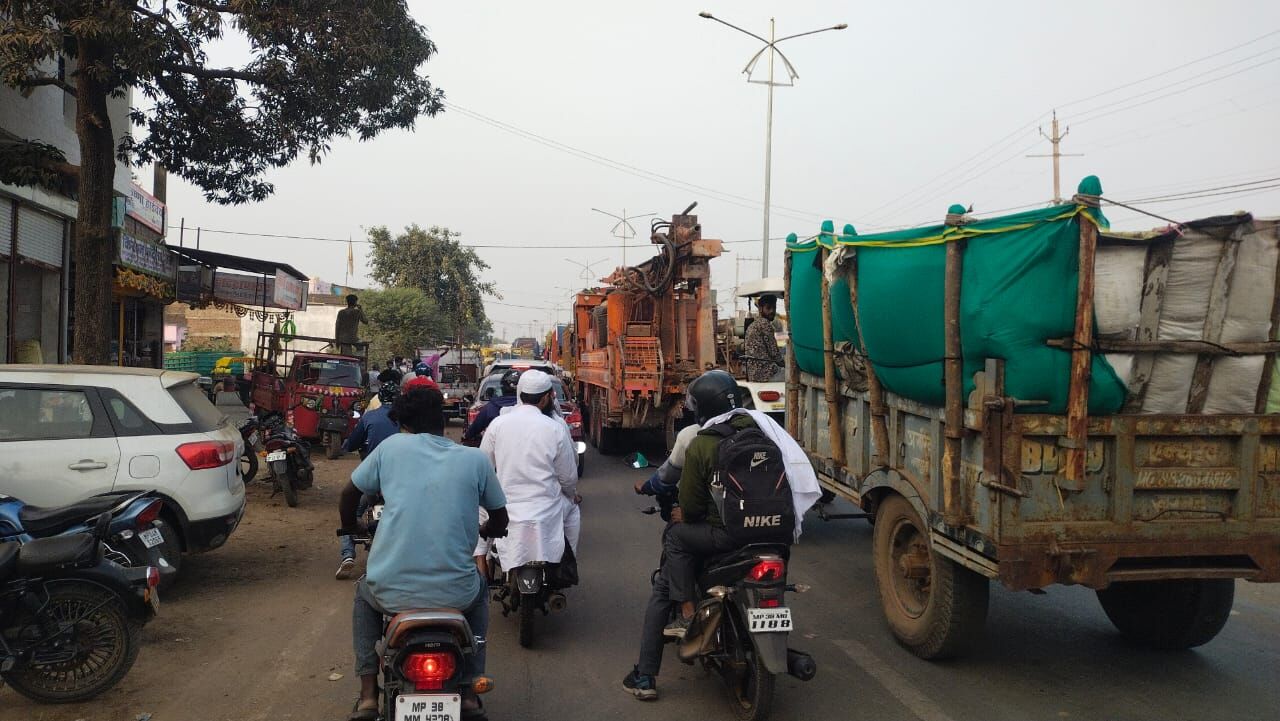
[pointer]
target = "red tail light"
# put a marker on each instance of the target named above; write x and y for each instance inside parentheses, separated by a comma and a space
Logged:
(429, 671)
(770, 603)
(149, 514)
(768, 569)
(153, 577)
(207, 454)
(769, 396)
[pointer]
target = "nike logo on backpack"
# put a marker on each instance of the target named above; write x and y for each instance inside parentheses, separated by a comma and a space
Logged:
(758, 458)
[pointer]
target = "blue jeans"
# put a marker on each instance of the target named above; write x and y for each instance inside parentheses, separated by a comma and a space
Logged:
(348, 543)
(367, 628)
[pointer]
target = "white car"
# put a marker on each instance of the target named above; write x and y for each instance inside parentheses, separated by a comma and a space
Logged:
(70, 432)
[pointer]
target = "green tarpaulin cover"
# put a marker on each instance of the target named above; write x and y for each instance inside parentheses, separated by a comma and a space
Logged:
(1018, 290)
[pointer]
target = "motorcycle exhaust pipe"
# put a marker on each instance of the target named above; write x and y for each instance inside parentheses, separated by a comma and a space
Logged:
(558, 602)
(801, 665)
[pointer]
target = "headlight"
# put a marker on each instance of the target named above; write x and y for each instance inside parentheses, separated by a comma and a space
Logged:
(311, 403)
(357, 406)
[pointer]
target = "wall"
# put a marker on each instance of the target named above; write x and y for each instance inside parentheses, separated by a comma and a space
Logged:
(317, 320)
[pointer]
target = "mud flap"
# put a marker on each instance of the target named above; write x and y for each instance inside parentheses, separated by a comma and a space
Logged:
(771, 649)
(529, 579)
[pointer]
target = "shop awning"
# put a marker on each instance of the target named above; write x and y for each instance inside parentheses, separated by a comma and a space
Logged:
(279, 285)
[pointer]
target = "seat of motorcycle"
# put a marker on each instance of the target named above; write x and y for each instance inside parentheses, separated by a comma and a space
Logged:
(447, 619)
(47, 554)
(47, 521)
(730, 567)
(8, 559)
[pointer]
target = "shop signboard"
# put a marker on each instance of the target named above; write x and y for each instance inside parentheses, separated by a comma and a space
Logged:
(150, 258)
(288, 292)
(195, 283)
(244, 289)
(145, 208)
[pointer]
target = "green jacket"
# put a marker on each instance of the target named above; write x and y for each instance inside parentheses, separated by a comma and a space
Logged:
(695, 479)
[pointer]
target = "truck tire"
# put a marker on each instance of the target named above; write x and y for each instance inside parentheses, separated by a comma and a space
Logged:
(1169, 615)
(935, 607)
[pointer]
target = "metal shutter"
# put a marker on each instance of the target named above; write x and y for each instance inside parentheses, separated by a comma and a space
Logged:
(40, 237)
(6, 225)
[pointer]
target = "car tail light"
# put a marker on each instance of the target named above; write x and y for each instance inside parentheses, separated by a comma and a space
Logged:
(429, 671)
(149, 514)
(770, 602)
(768, 569)
(207, 454)
(769, 396)
(153, 577)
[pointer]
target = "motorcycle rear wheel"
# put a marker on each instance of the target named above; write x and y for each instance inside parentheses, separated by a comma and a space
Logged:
(753, 691)
(332, 445)
(289, 487)
(107, 644)
(248, 465)
(526, 622)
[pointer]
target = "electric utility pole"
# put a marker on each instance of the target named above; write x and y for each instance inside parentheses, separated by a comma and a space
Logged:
(623, 228)
(1056, 139)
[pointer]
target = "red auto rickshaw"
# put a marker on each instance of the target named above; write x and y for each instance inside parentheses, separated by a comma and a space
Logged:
(320, 393)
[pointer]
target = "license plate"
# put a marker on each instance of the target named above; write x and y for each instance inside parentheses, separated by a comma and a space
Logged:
(376, 512)
(151, 537)
(436, 707)
(768, 620)
(253, 438)
(277, 456)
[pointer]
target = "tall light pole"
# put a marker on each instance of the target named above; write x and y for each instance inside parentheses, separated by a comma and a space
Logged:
(623, 229)
(770, 46)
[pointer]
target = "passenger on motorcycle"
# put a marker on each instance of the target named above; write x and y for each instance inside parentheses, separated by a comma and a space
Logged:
(426, 536)
(506, 398)
(696, 531)
(373, 428)
(538, 468)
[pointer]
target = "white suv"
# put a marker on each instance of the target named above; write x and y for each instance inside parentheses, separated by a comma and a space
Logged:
(70, 432)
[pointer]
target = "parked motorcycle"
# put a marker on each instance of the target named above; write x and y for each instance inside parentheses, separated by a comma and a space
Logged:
(288, 457)
(423, 662)
(252, 431)
(136, 535)
(740, 627)
(70, 620)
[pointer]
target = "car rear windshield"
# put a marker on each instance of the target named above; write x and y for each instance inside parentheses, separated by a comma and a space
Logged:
(204, 415)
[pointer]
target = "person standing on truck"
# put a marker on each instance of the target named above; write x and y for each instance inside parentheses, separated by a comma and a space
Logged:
(346, 330)
(764, 359)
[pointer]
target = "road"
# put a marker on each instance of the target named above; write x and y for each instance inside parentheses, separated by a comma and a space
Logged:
(254, 631)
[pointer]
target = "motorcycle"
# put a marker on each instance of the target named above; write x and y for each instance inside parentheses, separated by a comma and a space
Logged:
(251, 430)
(136, 535)
(423, 660)
(288, 457)
(70, 620)
(741, 624)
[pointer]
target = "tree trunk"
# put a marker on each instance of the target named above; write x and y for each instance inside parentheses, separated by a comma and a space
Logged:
(94, 247)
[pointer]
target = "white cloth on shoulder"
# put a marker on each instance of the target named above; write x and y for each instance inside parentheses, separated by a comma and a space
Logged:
(805, 490)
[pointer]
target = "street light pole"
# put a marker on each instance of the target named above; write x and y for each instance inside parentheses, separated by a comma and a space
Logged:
(770, 46)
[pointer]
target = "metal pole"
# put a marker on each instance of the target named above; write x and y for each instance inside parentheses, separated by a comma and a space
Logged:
(768, 157)
(624, 237)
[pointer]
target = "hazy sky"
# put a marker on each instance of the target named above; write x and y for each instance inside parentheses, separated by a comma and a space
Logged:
(915, 106)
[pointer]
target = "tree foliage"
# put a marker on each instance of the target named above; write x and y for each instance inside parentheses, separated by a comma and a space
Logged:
(316, 70)
(434, 262)
(401, 320)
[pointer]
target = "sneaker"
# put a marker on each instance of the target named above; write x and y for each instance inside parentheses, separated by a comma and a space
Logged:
(642, 687)
(677, 628)
(346, 570)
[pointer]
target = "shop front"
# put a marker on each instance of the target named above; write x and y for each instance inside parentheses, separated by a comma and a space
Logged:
(33, 282)
(146, 274)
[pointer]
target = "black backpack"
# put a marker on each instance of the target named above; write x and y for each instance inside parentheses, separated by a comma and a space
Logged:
(750, 486)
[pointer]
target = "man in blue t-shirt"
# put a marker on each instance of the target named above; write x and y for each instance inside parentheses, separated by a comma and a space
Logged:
(431, 489)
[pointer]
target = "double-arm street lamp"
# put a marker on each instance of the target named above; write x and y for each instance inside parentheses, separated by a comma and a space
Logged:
(770, 46)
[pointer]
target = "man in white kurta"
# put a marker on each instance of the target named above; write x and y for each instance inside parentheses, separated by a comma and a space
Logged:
(538, 468)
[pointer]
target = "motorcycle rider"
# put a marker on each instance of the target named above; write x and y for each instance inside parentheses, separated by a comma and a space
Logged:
(374, 427)
(427, 533)
(538, 468)
(506, 398)
(696, 531)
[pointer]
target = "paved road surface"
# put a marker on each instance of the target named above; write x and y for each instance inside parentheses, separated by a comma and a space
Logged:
(253, 631)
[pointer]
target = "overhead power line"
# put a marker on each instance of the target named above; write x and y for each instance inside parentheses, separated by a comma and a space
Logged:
(508, 246)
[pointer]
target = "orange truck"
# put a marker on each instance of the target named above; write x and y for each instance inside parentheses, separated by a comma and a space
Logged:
(641, 338)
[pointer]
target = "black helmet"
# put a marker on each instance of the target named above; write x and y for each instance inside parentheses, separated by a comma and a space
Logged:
(388, 392)
(509, 381)
(711, 394)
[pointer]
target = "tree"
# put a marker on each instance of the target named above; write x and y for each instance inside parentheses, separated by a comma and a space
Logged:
(445, 270)
(401, 320)
(318, 70)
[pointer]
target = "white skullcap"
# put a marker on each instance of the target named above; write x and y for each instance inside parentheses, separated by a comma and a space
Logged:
(533, 382)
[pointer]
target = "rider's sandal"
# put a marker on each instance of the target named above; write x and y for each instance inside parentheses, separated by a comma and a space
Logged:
(363, 714)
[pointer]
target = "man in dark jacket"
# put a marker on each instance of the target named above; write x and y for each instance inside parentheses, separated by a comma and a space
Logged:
(492, 409)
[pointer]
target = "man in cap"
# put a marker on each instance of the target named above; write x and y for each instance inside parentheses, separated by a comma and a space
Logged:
(764, 359)
(537, 465)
